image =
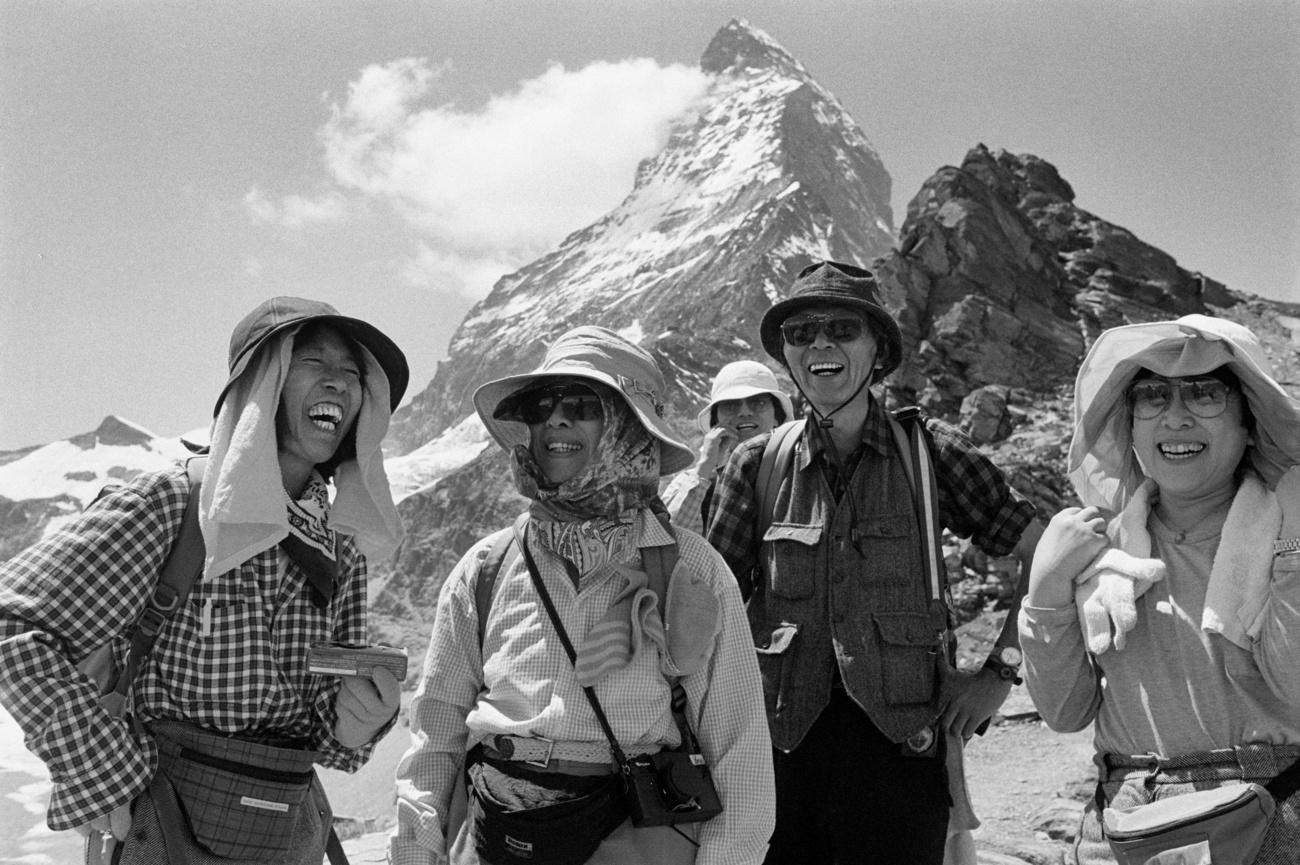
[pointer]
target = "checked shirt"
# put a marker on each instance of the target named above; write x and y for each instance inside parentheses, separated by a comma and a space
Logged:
(233, 659)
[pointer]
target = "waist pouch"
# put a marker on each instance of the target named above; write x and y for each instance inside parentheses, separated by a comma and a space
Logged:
(521, 816)
(240, 799)
(1223, 825)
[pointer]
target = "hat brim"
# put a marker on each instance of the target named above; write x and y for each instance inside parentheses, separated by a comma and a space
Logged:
(892, 343)
(386, 353)
(742, 391)
(673, 453)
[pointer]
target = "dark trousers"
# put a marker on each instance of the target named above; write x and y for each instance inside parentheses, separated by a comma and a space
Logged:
(848, 795)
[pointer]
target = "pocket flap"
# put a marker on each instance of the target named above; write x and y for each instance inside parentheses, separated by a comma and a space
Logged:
(806, 535)
(779, 641)
(906, 629)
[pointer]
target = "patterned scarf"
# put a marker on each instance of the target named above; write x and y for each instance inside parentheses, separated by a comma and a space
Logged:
(310, 542)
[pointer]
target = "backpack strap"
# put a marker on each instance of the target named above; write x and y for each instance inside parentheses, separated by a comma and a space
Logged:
(778, 454)
(181, 569)
(908, 428)
(502, 548)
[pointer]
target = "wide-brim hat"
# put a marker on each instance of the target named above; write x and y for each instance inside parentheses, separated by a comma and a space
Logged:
(831, 283)
(281, 313)
(742, 379)
(600, 355)
(1101, 463)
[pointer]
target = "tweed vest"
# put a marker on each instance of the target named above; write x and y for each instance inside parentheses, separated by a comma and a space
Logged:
(845, 586)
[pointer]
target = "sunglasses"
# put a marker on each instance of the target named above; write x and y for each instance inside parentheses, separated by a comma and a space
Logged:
(575, 401)
(838, 328)
(1203, 397)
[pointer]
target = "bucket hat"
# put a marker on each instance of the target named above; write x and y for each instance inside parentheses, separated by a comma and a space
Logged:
(280, 313)
(741, 380)
(600, 355)
(1101, 464)
(831, 283)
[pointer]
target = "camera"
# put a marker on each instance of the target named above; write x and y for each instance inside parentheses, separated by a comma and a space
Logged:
(670, 787)
(332, 659)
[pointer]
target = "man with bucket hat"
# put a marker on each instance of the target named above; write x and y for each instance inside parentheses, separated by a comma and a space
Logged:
(846, 617)
(203, 753)
(745, 400)
(564, 643)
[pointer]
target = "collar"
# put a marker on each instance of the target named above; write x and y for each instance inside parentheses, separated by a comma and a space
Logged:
(875, 434)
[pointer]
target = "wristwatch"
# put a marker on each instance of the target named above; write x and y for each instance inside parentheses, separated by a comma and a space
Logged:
(1005, 661)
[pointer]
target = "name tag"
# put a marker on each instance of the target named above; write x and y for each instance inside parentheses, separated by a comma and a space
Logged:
(264, 804)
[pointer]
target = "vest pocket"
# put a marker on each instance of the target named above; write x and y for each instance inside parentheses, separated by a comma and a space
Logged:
(791, 559)
(772, 644)
(908, 647)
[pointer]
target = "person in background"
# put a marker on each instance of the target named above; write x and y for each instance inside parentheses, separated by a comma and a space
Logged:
(746, 400)
(588, 444)
(1165, 612)
(305, 408)
(858, 690)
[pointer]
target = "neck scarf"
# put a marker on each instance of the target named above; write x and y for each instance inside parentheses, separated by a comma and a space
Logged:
(311, 542)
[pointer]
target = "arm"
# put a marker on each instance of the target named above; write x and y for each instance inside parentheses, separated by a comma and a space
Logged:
(450, 682)
(60, 600)
(1277, 629)
(726, 700)
(683, 498)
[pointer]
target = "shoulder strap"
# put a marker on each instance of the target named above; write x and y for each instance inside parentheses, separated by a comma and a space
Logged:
(778, 454)
(908, 428)
(181, 569)
(502, 548)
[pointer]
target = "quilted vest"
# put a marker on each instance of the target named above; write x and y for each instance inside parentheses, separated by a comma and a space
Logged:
(846, 593)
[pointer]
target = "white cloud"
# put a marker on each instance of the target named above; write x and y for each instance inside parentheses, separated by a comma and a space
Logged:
(295, 211)
(492, 188)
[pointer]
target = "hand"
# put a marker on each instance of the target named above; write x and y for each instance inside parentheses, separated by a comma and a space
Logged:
(1073, 538)
(364, 706)
(970, 699)
(718, 444)
(117, 823)
(1288, 498)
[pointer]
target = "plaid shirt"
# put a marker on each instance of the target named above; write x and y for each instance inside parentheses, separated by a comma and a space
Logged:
(521, 682)
(974, 499)
(232, 660)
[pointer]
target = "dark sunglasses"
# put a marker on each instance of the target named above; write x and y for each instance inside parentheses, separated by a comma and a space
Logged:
(576, 402)
(1203, 397)
(838, 328)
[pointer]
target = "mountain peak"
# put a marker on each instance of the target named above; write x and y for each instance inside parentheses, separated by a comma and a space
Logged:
(739, 46)
(112, 430)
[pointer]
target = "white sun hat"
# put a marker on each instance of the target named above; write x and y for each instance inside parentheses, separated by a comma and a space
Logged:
(741, 380)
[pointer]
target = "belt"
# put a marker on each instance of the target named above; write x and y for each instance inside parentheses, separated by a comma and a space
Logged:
(541, 752)
(1254, 760)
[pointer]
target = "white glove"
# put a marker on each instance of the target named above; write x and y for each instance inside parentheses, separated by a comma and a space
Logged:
(1106, 597)
(364, 705)
(117, 823)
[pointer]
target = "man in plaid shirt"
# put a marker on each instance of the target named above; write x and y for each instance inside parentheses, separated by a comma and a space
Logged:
(859, 697)
(309, 397)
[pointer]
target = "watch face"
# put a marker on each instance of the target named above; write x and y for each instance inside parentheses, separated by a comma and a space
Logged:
(1009, 655)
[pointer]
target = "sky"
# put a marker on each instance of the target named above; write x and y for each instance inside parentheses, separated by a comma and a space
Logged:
(164, 167)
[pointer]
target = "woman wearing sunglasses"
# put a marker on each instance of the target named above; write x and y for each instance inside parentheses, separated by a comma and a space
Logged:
(1166, 611)
(588, 443)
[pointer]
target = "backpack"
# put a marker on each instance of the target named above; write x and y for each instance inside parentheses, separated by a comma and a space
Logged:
(908, 427)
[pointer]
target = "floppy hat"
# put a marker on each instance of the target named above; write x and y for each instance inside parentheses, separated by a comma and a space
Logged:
(831, 283)
(741, 380)
(1101, 464)
(275, 315)
(596, 354)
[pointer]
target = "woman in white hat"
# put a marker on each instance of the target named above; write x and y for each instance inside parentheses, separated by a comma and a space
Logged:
(588, 442)
(1166, 611)
(745, 400)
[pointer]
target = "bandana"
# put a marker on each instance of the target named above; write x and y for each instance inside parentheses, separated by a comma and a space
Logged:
(310, 542)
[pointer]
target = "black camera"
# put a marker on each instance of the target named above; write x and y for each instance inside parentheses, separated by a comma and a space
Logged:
(670, 787)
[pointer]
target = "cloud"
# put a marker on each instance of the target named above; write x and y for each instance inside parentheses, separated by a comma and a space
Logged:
(295, 211)
(492, 188)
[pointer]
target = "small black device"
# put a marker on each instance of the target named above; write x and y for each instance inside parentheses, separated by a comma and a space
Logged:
(334, 659)
(670, 787)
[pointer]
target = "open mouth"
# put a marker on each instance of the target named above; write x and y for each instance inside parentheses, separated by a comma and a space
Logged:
(563, 447)
(825, 368)
(326, 416)
(1180, 450)
(746, 427)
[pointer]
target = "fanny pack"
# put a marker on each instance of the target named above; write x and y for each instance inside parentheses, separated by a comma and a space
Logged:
(581, 812)
(1224, 825)
(240, 799)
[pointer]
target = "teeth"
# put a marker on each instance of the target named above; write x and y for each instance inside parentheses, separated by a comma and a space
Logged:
(1181, 450)
(325, 415)
(563, 447)
(824, 368)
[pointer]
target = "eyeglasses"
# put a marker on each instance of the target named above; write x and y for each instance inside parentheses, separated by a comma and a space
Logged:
(838, 328)
(576, 402)
(1203, 397)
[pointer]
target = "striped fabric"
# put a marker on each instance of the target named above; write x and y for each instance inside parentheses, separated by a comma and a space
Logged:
(632, 617)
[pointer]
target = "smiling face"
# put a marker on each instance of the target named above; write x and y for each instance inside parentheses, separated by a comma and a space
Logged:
(830, 371)
(564, 440)
(747, 417)
(319, 402)
(1186, 454)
